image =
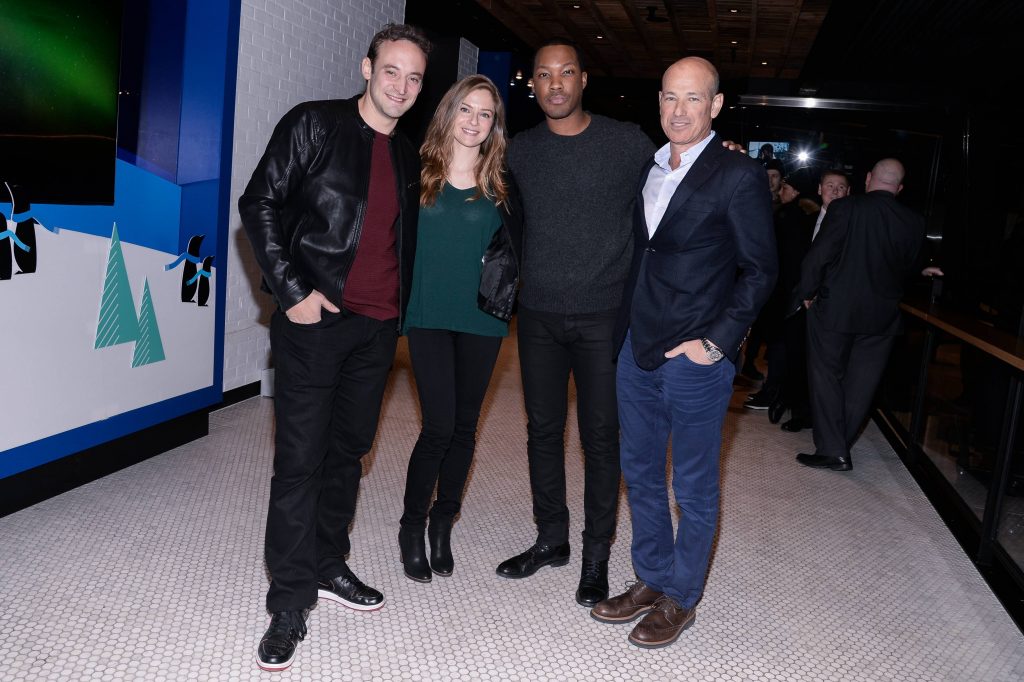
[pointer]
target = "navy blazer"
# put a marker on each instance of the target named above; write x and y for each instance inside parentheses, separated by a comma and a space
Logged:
(710, 265)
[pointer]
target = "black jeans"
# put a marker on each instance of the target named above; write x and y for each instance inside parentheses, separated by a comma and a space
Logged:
(329, 380)
(452, 372)
(551, 346)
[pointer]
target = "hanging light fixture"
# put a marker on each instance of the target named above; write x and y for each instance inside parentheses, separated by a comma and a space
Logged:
(519, 74)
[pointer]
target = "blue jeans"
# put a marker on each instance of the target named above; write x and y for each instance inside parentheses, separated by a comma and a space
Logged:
(688, 401)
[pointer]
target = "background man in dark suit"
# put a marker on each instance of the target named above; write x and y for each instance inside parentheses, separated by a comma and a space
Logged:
(704, 263)
(852, 282)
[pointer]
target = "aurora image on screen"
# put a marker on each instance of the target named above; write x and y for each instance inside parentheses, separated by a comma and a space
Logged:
(58, 119)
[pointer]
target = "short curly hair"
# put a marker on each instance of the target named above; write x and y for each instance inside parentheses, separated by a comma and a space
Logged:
(392, 32)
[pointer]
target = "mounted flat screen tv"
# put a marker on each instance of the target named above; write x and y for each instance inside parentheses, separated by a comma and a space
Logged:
(768, 150)
(58, 106)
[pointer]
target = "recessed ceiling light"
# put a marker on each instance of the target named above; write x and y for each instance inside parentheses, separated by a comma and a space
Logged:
(600, 37)
(734, 11)
(764, 63)
(733, 42)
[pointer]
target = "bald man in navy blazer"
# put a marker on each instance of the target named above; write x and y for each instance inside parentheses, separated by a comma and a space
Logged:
(704, 263)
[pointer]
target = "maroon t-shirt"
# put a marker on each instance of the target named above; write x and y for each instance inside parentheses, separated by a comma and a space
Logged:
(371, 288)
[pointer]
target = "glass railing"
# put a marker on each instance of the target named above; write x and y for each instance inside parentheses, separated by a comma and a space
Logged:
(951, 403)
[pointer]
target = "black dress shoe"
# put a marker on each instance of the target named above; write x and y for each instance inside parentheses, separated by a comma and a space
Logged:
(277, 648)
(414, 555)
(526, 564)
(796, 424)
(776, 410)
(440, 535)
(825, 462)
(349, 590)
(593, 586)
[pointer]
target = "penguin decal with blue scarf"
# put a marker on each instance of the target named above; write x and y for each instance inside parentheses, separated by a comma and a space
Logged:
(195, 276)
(18, 240)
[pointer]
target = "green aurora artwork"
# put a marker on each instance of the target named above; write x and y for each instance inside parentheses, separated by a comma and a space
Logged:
(58, 63)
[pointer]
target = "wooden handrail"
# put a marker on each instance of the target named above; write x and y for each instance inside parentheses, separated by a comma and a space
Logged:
(995, 342)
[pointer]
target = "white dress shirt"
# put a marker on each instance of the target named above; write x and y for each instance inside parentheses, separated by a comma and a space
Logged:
(663, 181)
(817, 225)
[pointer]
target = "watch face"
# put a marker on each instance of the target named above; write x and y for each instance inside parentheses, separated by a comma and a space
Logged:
(714, 353)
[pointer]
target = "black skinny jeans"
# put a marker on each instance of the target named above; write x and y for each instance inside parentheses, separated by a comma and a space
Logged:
(552, 345)
(329, 380)
(452, 372)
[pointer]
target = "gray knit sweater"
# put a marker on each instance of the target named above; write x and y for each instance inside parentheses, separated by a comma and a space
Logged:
(578, 194)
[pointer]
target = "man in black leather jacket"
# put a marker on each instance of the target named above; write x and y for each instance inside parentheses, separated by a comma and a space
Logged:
(331, 213)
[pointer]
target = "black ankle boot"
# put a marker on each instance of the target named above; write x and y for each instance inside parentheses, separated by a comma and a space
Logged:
(440, 535)
(414, 555)
(593, 586)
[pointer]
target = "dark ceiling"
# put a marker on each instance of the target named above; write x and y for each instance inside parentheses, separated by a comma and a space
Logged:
(640, 38)
(894, 49)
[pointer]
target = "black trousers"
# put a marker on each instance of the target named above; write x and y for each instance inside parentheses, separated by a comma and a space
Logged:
(550, 347)
(775, 358)
(794, 392)
(844, 371)
(329, 380)
(452, 372)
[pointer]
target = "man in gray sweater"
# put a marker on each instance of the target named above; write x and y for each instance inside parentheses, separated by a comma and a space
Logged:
(578, 175)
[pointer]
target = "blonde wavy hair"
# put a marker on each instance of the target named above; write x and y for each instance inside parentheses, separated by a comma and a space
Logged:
(438, 145)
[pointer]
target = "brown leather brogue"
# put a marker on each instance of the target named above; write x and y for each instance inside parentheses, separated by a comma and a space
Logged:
(662, 625)
(628, 606)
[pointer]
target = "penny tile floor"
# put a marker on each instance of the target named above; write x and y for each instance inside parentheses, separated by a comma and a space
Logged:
(156, 572)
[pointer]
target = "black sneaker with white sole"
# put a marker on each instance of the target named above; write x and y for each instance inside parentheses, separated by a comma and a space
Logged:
(277, 648)
(761, 400)
(348, 590)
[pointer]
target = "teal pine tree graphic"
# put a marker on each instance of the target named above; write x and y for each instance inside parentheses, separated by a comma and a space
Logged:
(149, 348)
(118, 323)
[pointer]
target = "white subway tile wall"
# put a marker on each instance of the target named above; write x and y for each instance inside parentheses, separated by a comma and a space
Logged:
(289, 51)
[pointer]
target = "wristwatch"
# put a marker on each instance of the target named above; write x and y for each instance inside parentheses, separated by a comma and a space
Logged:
(714, 352)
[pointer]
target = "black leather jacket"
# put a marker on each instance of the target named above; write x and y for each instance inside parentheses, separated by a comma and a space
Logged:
(499, 277)
(304, 206)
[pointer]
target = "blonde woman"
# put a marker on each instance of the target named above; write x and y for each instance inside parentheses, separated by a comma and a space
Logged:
(463, 288)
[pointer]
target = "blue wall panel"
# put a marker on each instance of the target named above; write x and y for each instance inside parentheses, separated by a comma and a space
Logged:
(171, 183)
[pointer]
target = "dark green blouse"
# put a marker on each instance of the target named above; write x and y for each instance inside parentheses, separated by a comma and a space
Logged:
(452, 237)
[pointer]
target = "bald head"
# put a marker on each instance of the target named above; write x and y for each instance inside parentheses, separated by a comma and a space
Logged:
(697, 65)
(886, 175)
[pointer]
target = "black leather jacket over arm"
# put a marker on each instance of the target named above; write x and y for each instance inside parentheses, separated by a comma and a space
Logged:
(499, 277)
(305, 204)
